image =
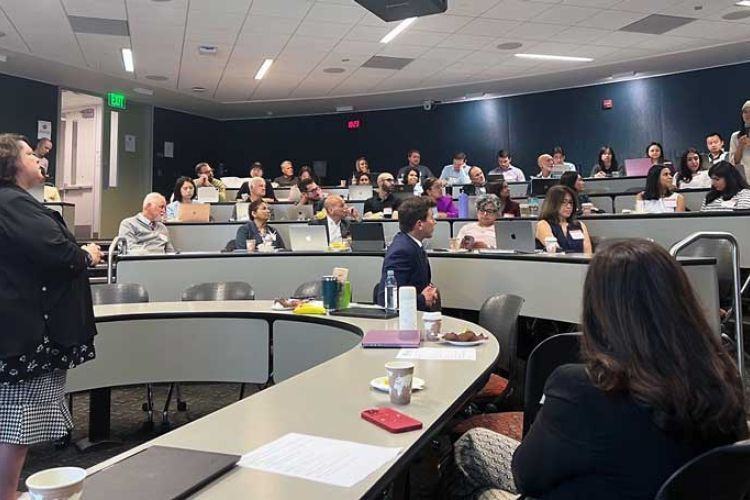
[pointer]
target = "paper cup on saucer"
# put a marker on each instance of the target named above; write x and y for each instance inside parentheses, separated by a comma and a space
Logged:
(400, 374)
(60, 483)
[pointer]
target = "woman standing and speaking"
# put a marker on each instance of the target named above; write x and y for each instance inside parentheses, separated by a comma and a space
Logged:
(45, 311)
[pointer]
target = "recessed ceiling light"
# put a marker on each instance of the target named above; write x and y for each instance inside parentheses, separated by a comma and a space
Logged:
(546, 57)
(143, 91)
(207, 50)
(509, 45)
(127, 60)
(334, 71)
(743, 3)
(346, 59)
(198, 89)
(398, 29)
(157, 78)
(263, 69)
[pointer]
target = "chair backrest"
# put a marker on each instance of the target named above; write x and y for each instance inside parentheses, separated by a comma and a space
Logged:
(551, 353)
(231, 246)
(499, 315)
(221, 290)
(721, 250)
(718, 474)
(118, 293)
(309, 290)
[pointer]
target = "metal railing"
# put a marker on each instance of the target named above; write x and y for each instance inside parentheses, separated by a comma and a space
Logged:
(119, 245)
(736, 285)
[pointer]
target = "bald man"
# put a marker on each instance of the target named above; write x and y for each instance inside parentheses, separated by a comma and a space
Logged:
(545, 163)
(338, 219)
(384, 203)
(144, 232)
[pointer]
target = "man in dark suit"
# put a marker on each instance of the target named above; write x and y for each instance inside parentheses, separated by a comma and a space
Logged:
(338, 219)
(406, 256)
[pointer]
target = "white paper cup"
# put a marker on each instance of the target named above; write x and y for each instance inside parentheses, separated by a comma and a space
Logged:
(587, 208)
(60, 483)
(400, 375)
(550, 244)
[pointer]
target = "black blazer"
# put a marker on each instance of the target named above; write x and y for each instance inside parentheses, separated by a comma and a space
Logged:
(588, 444)
(44, 283)
(410, 266)
(345, 227)
(250, 231)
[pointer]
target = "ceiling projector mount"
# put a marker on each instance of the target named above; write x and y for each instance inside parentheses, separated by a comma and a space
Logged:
(397, 10)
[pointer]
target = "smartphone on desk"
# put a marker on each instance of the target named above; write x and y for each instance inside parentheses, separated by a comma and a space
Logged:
(391, 420)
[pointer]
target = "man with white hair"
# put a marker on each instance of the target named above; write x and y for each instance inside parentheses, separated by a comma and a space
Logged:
(145, 232)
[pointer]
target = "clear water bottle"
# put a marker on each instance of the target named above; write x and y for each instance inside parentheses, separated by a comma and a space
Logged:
(391, 292)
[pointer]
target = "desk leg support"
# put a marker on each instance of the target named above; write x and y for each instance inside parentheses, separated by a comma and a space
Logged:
(99, 425)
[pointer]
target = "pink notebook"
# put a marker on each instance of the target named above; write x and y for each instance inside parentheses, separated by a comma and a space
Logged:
(391, 338)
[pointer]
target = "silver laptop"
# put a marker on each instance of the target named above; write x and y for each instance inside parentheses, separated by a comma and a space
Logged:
(516, 235)
(290, 212)
(308, 238)
(360, 193)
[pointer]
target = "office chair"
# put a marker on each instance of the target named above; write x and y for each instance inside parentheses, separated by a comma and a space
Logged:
(308, 290)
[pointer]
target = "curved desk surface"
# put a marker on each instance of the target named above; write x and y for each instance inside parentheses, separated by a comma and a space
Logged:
(324, 401)
(552, 286)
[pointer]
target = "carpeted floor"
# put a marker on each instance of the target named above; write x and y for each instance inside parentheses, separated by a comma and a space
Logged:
(127, 422)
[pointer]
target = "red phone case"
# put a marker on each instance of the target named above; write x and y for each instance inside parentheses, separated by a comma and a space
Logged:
(391, 420)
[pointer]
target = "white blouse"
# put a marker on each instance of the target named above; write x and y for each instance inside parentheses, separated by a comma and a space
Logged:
(664, 205)
(700, 180)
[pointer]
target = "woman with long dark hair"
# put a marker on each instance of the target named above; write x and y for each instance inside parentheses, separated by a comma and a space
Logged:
(558, 219)
(690, 175)
(444, 207)
(655, 152)
(607, 165)
(574, 181)
(658, 197)
(508, 207)
(655, 389)
(729, 191)
(183, 192)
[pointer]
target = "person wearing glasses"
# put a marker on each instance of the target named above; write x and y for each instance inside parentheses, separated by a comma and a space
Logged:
(311, 194)
(481, 234)
(205, 178)
(558, 219)
(384, 203)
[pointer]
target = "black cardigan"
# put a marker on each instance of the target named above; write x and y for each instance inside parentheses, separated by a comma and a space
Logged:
(44, 284)
(587, 444)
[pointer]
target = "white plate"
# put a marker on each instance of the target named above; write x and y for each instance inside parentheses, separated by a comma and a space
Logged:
(381, 384)
(278, 307)
(465, 344)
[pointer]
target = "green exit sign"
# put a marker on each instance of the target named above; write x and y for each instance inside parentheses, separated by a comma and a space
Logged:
(116, 100)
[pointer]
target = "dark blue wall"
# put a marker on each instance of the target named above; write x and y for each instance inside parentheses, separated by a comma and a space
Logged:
(24, 102)
(676, 110)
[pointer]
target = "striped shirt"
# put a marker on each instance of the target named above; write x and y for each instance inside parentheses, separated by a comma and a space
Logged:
(740, 201)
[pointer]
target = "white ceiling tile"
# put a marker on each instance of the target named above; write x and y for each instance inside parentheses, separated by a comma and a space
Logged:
(713, 30)
(566, 14)
(486, 58)
(441, 23)
(534, 31)
(156, 14)
(256, 26)
(309, 43)
(336, 13)
(422, 38)
(470, 7)
(445, 56)
(644, 6)
(295, 9)
(362, 33)
(268, 46)
(466, 42)
(611, 19)
(488, 27)
(343, 60)
(358, 48)
(407, 51)
(109, 9)
(670, 43)
(323, 29)
(519, 10)
(235, 6)
(274, 90)
(623, 39)
(600, 4)
(578, 34)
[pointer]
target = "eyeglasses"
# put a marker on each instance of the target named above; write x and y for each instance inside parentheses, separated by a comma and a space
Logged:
(317, 188)
(489, 212)
(568, 202)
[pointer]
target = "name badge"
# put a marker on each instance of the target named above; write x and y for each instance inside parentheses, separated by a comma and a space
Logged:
(576, 234)
(728, 203)
(387, 210)
(508, 216)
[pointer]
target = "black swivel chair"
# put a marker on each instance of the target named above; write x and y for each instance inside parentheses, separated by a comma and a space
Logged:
(215, 291)
(718, 474)
(308, 290)
(551, 353)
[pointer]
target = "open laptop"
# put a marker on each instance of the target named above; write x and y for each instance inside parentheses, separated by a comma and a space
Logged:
(516, 235)
(194, 212)
(290, 212)
(495, 177)
(367, 237)
(208, 194)
(539, 187)
(308, 238)
(360, 193)
(637, 167)
(402, 191)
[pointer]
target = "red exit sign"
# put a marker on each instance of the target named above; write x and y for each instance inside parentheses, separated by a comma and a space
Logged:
(353, 124)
